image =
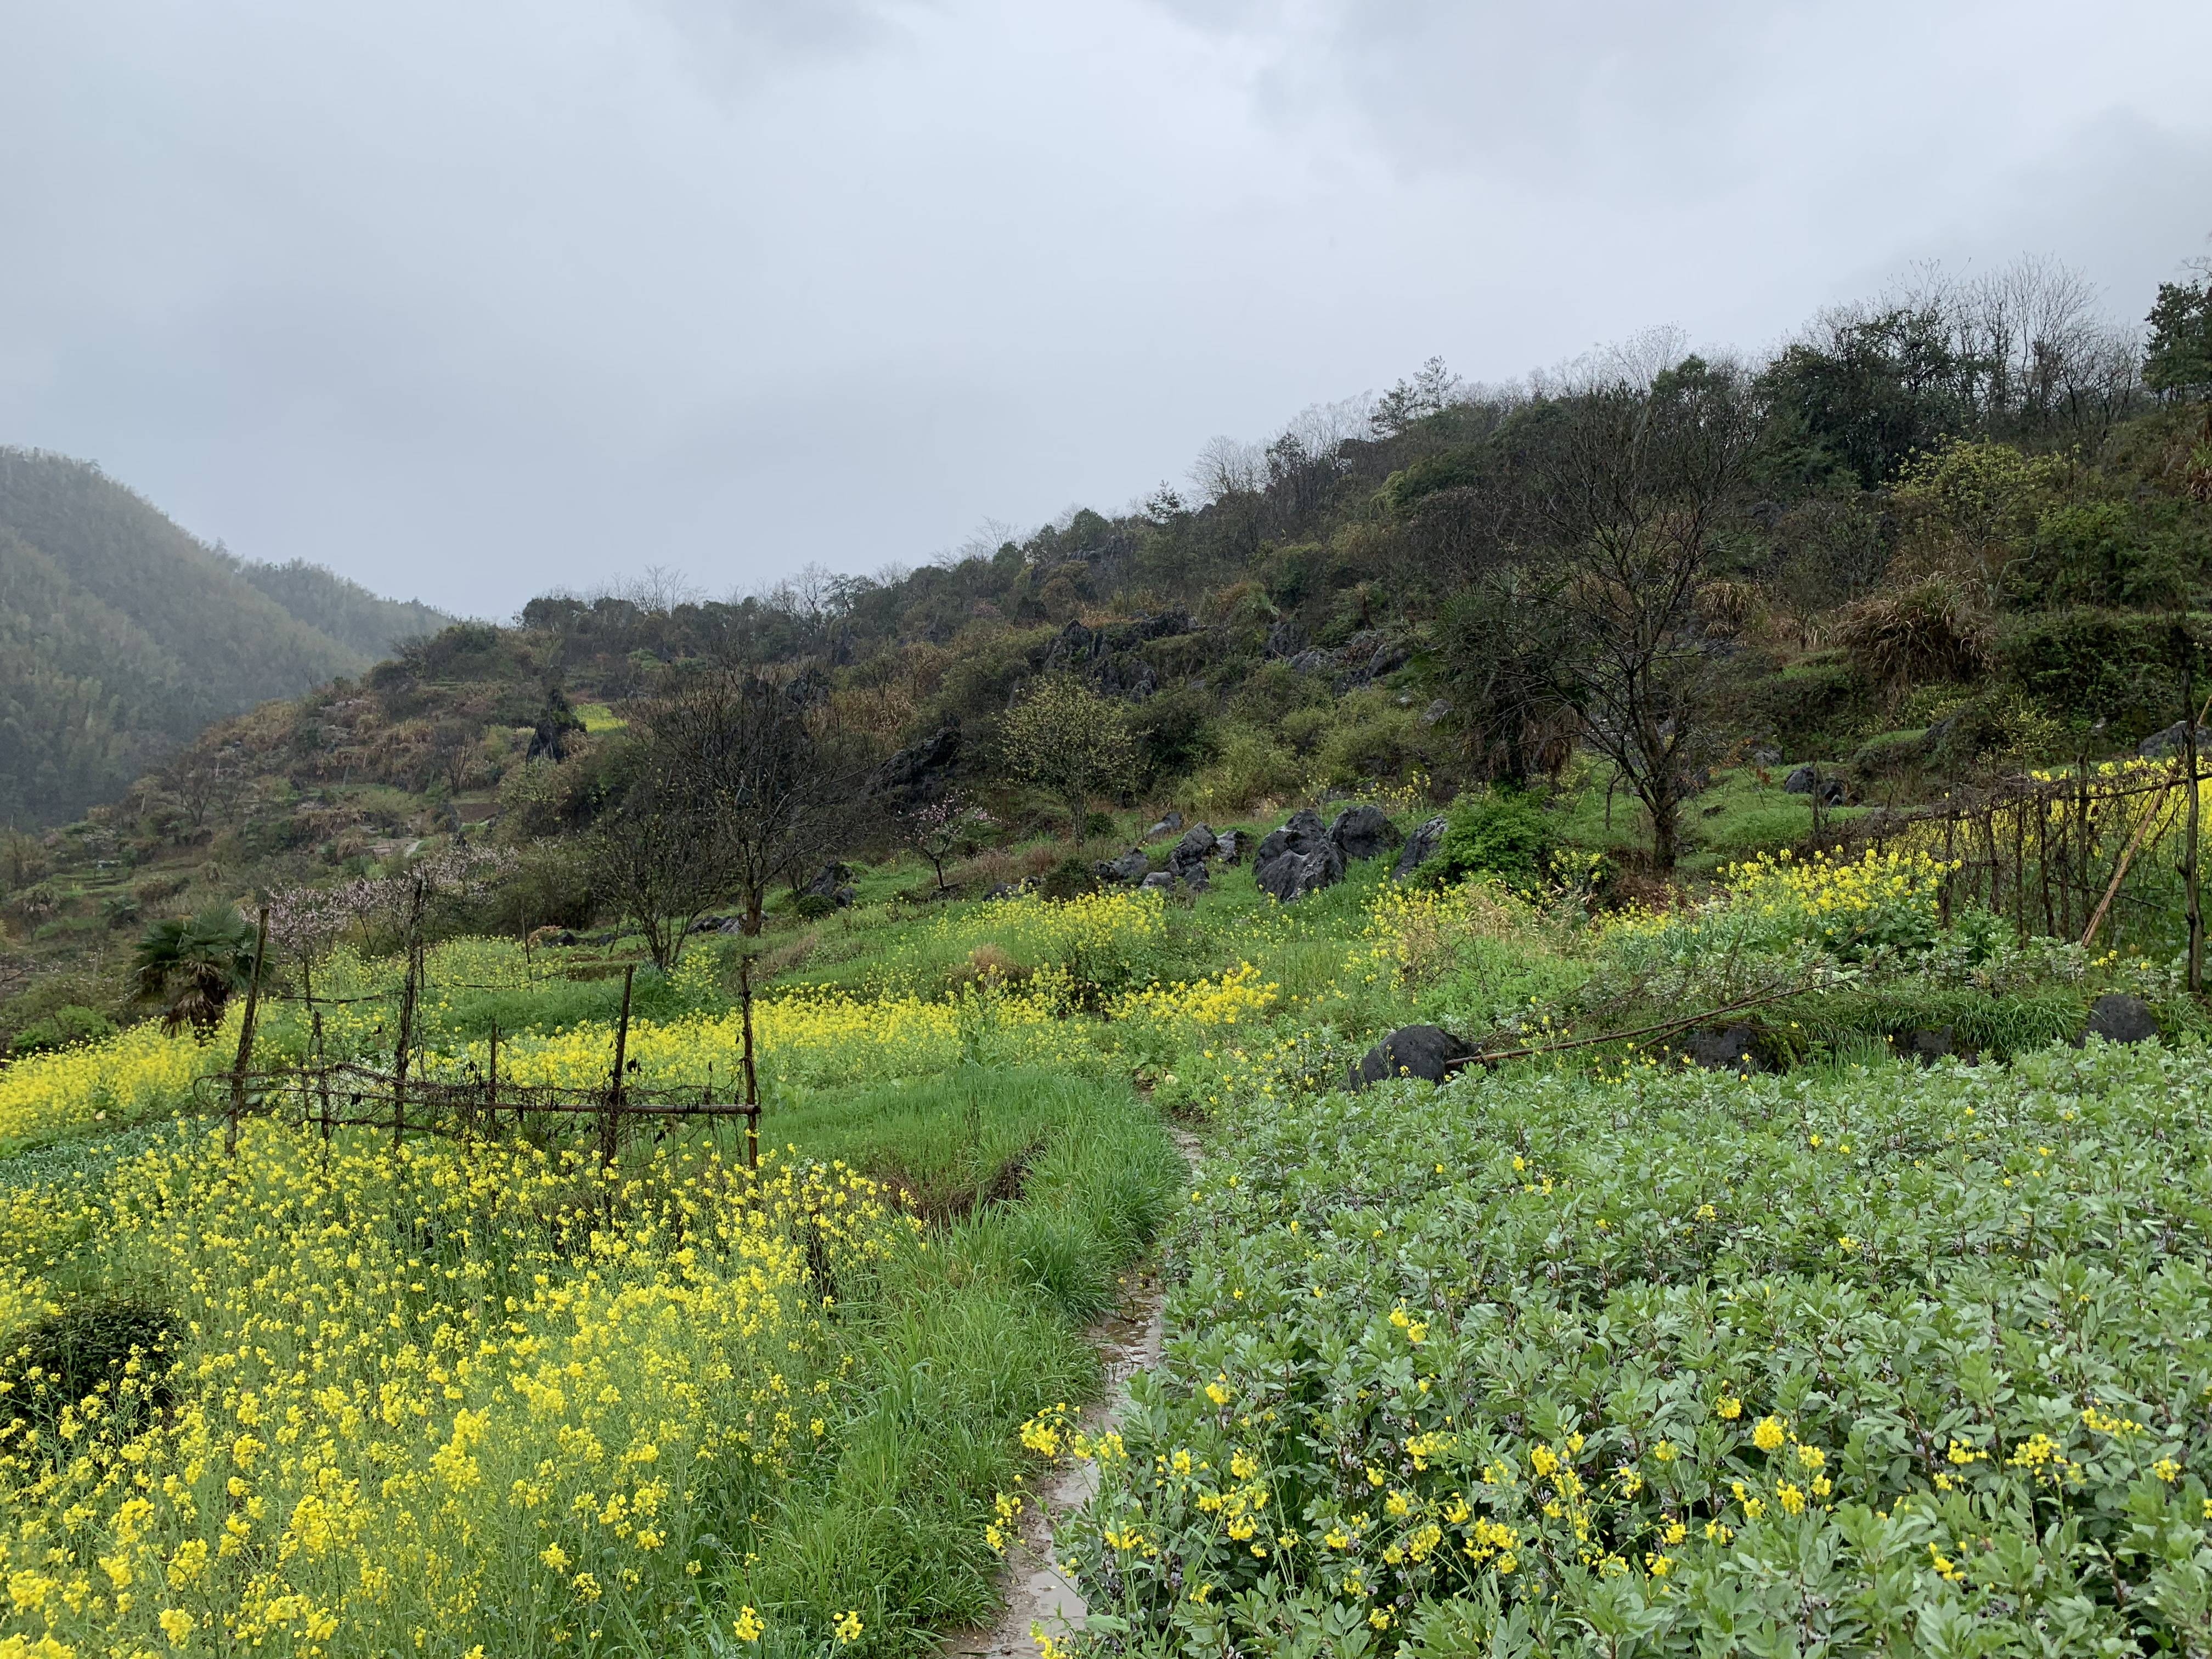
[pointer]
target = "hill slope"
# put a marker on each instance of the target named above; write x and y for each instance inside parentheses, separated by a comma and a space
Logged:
(121, 636)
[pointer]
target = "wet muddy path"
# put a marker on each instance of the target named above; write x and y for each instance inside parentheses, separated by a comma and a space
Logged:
(1035, 1592)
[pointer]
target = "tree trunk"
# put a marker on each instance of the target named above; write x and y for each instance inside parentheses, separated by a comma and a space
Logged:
(1666, 814)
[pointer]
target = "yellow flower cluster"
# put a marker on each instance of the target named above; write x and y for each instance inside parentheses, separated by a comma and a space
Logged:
(804, 1039)
(1414, 933)
(136, 1073)
(1842, 905)
(450, 1390)
(1238, 995)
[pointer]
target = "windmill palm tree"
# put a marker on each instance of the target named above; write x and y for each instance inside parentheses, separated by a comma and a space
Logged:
(193, 964)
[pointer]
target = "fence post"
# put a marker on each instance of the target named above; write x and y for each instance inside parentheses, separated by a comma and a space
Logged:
(610, 1120)
(2192, 900)
(491, 1086)
(245, 1040)
(323, 1081)
(407, 1041)
(752, 1078)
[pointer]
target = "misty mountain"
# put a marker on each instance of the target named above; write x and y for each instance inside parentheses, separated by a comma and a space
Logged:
(122, 634)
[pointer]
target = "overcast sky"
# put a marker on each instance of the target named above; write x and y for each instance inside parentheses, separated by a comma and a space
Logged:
(468, 301)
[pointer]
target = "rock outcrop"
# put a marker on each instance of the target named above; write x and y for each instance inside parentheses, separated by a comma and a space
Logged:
(1298, 858)
(1363, 832)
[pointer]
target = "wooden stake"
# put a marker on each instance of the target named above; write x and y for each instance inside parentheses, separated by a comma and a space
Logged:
(2157, 809)
(407, 993)
(2193, 899)
(610, 1132)
(245, 1040)
(752, 1078)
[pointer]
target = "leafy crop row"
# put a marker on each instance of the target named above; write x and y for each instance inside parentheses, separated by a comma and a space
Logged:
(1683, 1364)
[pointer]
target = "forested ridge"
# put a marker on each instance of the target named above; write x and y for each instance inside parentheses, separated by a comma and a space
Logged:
(122, 636)
(1943, 536)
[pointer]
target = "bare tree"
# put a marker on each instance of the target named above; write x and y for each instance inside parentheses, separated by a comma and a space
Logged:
(1226, 468)
(656, 856)
(659, 588)
(763, 775)
(1624, 501)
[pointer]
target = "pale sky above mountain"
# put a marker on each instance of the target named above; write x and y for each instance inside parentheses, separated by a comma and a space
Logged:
(468, 302)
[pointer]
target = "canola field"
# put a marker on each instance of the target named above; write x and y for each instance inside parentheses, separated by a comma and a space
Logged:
(1594, 1353)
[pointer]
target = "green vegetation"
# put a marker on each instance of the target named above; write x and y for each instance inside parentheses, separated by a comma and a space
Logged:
(1661, 1257)
(1893, 1361)
(122, 636)
(1698, 1210)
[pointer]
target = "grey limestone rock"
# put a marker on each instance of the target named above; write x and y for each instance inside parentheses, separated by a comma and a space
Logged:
(1420, 847)
(2118, 1017)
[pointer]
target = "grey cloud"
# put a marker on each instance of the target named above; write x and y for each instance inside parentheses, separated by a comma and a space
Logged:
(473, 301)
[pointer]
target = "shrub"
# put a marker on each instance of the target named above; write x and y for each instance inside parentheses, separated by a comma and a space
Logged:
(1250, 767)
(1497, 832)
(112, 1343)
(1069, 878)
(71, 1024)
(1931, 630)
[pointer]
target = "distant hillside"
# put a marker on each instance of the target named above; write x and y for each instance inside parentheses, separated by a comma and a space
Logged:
(344, 609)
(123, 635)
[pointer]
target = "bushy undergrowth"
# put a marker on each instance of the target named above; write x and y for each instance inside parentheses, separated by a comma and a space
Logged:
(1543, 1364)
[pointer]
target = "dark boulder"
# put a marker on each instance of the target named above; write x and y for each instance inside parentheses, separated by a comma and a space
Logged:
(1422, 1051)
(1286, 639)
(1296, 859)
(1363, 832)
(1420, 847)
(2118, 1017)
(1389, 656)
(1723, 1048)
(1131, 866)
(831, 886)
(1158, 880)
(1804, 780)
(1290, 875)
(1313, 662)
(1167, 826)
(1231, 844)
(920, 772)
(2173, 740)
(1927, 1045)
(1199, 843)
